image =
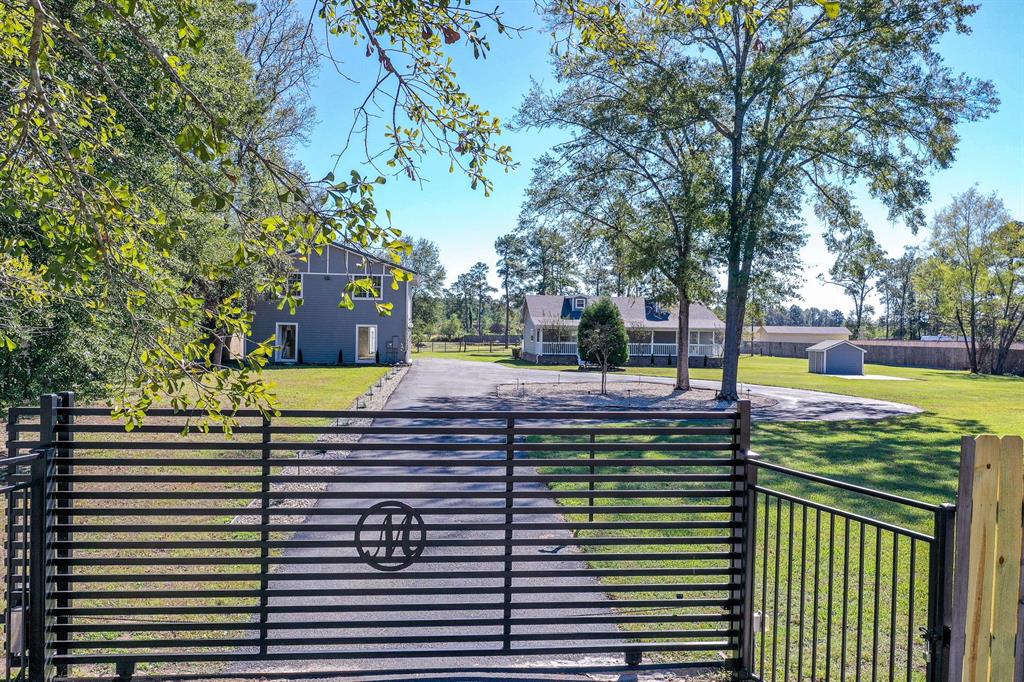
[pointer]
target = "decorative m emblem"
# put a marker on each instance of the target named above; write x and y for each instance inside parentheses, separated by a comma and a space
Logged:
(390, 536)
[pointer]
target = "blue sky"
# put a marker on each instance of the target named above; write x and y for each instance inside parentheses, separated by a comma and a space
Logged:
(465, 224)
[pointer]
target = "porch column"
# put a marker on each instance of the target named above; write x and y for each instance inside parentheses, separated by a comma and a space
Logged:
(650, 350)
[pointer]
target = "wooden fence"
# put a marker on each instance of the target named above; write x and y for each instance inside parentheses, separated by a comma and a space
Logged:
(928, 354)
(988, 609)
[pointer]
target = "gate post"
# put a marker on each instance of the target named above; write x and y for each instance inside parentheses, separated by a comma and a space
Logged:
(989, 591)
(39, 620)
(510, 454)
(940, 594)
(64, 442)
(746, 538)
(265, 518)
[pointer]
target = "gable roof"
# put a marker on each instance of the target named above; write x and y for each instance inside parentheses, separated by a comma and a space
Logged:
(828, 345)
(369, 255)
(789, 329)
(635, 310)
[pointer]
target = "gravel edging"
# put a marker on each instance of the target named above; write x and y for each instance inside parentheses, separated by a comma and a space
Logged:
(373, 399)
(621, 395)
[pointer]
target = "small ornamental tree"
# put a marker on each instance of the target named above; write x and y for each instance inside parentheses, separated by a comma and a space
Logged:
(602, 339)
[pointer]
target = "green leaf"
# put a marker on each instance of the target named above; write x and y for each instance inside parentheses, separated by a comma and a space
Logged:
(831, 7)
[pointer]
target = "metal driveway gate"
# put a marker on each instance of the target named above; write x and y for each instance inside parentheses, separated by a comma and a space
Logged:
(571, 540)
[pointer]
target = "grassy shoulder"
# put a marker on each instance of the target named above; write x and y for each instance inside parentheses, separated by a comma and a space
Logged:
(917, 454)
(133, 511)
(325, 388)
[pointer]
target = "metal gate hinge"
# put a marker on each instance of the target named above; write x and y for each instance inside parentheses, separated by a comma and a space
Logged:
(943, 635)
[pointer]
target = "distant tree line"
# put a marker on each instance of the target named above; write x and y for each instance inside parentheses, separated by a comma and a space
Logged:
(796, 316)
(965, 282)
(467, 306)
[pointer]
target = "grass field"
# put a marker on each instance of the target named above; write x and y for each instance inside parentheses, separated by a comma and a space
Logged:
(122, 520)
(322, 388)
(823, 578)
(917, 455)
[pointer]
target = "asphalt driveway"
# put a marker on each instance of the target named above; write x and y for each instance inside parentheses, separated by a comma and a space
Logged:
(435, 383)
(338, 585)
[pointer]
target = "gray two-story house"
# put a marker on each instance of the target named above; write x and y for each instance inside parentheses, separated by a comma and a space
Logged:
(322, 333)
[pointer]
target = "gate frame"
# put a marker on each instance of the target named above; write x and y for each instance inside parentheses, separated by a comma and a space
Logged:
(57, 443)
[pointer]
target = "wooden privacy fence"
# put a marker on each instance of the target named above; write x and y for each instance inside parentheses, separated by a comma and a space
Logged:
(932, 354)
(988, 612)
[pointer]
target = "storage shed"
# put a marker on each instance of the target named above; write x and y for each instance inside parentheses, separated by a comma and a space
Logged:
(835, 357)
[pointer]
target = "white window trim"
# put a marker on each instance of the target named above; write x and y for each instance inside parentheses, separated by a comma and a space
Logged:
(356, 353)
(302, 283)
(380, 289)
(277, 349)
(576, 303)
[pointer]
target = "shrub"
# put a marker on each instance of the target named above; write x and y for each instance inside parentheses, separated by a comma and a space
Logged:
(601, 337)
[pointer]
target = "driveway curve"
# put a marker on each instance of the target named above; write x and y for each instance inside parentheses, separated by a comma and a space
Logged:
(437, 383)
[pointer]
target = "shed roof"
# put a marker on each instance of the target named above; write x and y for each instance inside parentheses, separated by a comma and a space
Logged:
(635, 310)
(784, 329)
(829, 345)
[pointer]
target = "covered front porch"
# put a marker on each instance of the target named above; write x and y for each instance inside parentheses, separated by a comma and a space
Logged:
(559, 343)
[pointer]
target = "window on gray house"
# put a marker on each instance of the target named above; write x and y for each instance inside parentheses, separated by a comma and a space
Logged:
(378, 286)
(295, 284)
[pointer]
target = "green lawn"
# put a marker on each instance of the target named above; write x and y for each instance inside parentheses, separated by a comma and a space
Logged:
(322, 388)
(826, 574)
(328, 388)
(916, 455)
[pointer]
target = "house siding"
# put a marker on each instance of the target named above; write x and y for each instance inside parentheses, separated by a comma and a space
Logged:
(844, 359)
(810, 336)
(327, 333)
(840, 359)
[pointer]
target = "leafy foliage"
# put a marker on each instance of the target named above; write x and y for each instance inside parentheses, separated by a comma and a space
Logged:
(976, 273)
(803, 100)
(144, 170)
(859, 264)
(601, 337)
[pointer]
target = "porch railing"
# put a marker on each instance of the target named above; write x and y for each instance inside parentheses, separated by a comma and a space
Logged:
(558, 348)
(712, 350)
(636, 349)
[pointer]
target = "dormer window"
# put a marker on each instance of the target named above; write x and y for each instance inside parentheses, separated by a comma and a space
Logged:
(579, 303)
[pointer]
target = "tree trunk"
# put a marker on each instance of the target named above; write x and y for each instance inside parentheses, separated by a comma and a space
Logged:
(604, 378)
(972, 358)
(217, 359)
(683, 342)
(974, 338)
(1004, 342)
(735, 302)
(508, 312)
